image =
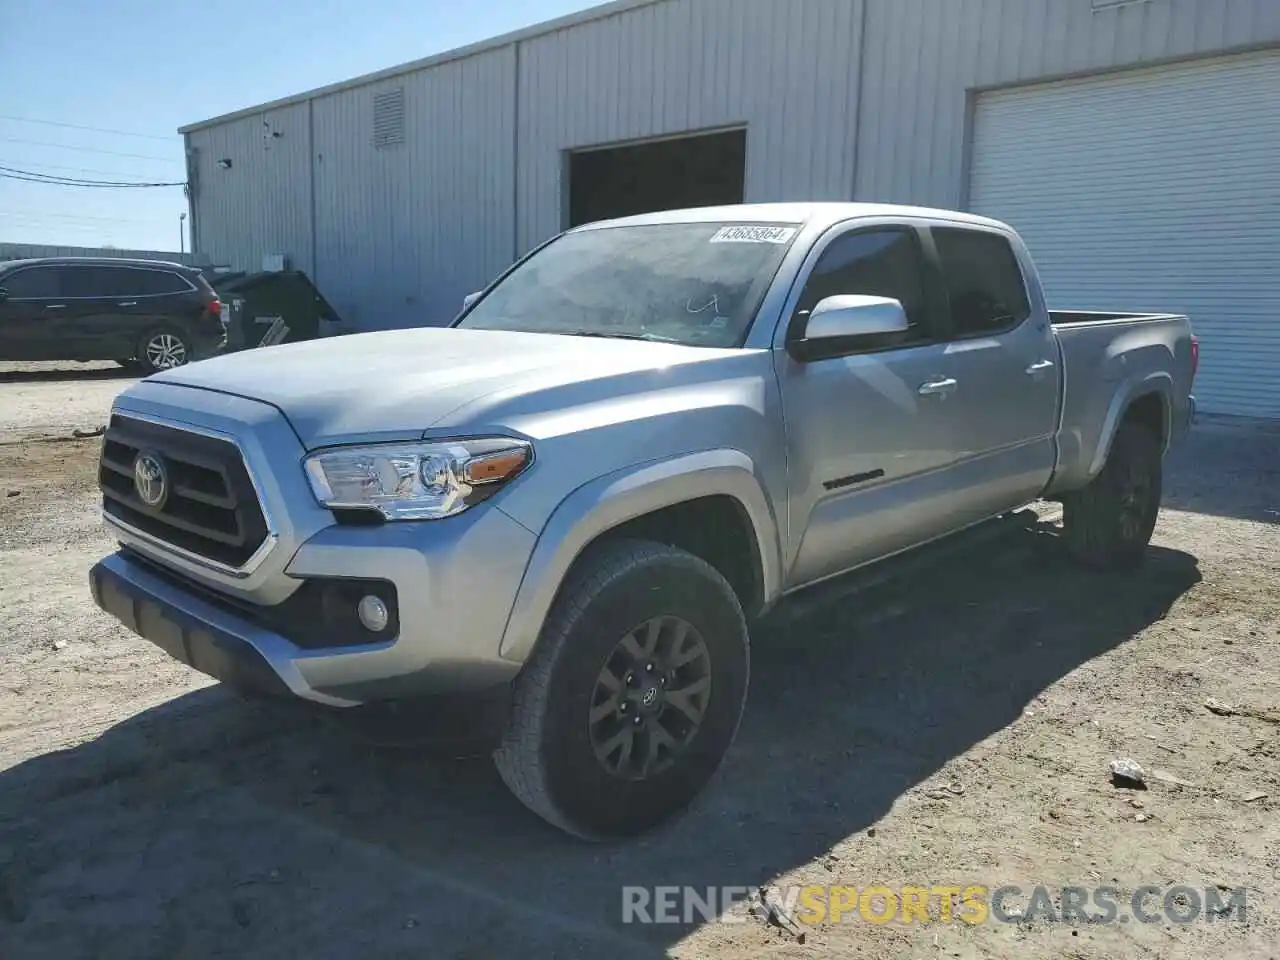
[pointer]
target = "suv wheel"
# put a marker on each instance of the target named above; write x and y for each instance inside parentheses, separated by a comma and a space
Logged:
(162, 349)
(633, 693)
(1109, 523)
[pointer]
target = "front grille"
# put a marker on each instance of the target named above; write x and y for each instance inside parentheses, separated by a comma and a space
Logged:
(211, 508)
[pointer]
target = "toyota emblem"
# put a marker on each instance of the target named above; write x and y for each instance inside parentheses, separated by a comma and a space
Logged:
(150, 480)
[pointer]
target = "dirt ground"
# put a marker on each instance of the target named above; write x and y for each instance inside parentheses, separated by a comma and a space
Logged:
(953, 728)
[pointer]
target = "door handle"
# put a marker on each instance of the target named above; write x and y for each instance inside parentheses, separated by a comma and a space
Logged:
(1040, 365)
(55, 306)
(938, 388)
(127, 303)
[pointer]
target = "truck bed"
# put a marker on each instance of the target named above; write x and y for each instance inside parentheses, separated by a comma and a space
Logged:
(1107, 359)
(1063, 318)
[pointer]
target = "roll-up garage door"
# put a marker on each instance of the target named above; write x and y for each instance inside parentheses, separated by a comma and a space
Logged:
(1153, 189)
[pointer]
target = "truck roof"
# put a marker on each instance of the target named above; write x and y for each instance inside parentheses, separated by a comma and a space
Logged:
(810, 214)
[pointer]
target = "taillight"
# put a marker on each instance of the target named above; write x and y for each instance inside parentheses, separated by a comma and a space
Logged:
(214, 306)
(1195, 355)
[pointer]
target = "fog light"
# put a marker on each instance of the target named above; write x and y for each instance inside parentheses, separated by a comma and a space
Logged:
(373, 613)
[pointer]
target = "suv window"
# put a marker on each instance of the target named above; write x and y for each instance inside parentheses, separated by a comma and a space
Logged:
(92, 281)
(105, 281)
(983, 280)
(885, 262)
(154, 282)
(32, 283)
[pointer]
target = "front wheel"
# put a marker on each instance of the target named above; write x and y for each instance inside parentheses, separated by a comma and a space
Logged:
(633, 694)
(162, 349)
(1109, 523)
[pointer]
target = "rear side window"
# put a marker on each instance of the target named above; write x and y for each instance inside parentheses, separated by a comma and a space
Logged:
(155, 282)
(877, 263)
(33, 283)
(86, 280)
(983, 280)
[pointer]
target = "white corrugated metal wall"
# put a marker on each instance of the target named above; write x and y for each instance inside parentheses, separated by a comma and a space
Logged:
(840, 98)
(1153, 189)
(787, 69)
(404, 232)
(923, 59)
(261, 203)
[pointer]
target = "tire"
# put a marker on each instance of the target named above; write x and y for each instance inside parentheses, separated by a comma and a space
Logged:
(548, 754)
(1109, 523)
(163, 349)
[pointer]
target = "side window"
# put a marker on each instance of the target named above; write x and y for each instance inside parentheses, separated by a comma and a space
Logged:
(112, 282)
(83, 281)
(879, 263)
(983, 279)
(154, 282)
(33, 283)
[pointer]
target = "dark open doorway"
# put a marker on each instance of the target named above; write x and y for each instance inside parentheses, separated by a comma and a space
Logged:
(695, 171)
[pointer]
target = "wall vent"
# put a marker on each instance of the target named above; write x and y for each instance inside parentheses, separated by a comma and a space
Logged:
(388, 118)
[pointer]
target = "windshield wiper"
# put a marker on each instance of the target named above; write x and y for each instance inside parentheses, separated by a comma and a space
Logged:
(622, 335)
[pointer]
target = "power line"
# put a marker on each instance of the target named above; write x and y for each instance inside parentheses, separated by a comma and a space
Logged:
(67, 146)
(12, 173)
(76, 126)
(57, 166)
(78, 217)
(76, 183)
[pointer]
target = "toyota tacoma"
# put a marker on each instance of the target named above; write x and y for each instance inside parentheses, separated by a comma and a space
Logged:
(634, 442)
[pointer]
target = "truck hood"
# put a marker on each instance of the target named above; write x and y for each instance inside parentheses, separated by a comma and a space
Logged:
(399, 384)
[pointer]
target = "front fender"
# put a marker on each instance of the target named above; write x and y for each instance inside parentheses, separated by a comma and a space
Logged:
(608, 501)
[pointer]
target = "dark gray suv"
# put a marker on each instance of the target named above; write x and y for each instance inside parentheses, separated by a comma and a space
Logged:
(147, 314)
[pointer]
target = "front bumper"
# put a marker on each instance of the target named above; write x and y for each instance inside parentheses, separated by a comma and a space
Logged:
(434, 653)
(455, 579)
(183, 627)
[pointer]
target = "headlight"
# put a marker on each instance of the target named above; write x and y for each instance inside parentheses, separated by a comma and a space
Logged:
(415, 481)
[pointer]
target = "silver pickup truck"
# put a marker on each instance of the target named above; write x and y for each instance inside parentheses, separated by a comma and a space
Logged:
(637, 440)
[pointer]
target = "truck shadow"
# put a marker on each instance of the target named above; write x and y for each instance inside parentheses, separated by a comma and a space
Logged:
(211, 819)
(70, 372)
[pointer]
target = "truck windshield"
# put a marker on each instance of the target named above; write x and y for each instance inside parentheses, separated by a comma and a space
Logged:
(693, 283)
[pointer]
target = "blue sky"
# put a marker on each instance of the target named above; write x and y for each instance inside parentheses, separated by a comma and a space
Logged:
(148, 67)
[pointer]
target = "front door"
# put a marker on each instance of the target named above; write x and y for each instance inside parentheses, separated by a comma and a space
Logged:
(33, 315)
(868, 451)
(98, 298)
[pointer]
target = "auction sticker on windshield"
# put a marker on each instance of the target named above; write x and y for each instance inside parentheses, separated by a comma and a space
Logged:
(753, 234)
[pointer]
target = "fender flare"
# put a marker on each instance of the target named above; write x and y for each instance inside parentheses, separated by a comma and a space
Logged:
(611, 500)
(1158, 383)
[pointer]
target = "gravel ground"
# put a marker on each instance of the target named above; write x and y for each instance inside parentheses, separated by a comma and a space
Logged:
(41, 399)
(953, 728)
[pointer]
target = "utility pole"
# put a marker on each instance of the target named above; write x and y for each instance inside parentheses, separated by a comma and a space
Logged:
(182, 234)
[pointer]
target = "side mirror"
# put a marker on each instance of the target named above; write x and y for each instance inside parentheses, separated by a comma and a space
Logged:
(471, 298)
(845, 317)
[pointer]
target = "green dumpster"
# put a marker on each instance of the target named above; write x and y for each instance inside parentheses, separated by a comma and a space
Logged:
(264, 309)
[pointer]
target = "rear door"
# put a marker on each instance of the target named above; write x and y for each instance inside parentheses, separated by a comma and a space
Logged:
(868, 454)
(161, 298)
(1006, 364)
(33, 315)
(92, 317)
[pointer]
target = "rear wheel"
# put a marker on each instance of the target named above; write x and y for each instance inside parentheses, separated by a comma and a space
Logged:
(1109, 523)
(162, 349)
(633, 694)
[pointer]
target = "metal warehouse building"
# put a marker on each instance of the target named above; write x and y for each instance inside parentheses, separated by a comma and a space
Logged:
(1136, 145)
